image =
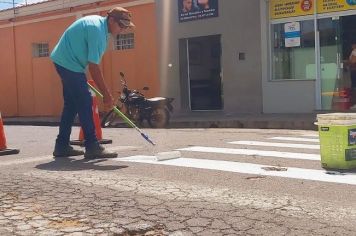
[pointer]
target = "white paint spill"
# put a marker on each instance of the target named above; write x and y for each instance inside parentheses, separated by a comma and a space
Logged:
(251, 152)
(296, 139)
(248, 168)
(267, 144)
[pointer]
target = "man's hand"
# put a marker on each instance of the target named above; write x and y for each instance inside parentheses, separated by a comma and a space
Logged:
(108, 102)
(97, 76)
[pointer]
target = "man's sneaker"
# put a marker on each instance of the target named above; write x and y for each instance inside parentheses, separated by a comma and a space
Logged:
(67, 152)
(98, 152)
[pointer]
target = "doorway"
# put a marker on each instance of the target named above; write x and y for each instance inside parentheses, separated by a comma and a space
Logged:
(202, 69)
(337, 34)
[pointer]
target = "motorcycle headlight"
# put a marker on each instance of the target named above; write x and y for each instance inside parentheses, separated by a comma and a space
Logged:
(122, 96)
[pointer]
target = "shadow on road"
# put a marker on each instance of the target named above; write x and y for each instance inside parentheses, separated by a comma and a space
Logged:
(68, 164)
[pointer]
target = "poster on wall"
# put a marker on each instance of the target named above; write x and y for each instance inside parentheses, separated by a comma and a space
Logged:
(292, 34)
(189, 10)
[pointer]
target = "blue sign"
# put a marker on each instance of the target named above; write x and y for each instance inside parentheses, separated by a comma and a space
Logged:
(351, 2)
(292, 34)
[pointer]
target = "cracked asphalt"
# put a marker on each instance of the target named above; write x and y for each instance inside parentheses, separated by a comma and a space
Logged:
(42, 196)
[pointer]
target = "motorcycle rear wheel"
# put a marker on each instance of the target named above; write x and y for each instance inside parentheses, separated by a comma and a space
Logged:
(159, 118)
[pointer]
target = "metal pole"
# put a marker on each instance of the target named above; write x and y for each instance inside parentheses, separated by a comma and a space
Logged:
(317, 59)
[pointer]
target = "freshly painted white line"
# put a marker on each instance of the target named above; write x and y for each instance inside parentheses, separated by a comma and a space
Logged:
(267, 144)
(121, 148)
(296, 139)
(251, 152)
(311, 135)
(248, 168)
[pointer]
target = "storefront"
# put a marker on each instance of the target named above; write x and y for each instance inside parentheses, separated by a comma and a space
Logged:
(210, 55)
(308, 49)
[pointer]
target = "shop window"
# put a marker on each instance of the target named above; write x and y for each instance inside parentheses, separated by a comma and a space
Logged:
(290, 62)
(40, 50)
(125, 41)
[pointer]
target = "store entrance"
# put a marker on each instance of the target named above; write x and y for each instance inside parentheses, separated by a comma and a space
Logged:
(336, 37)
(203, 62)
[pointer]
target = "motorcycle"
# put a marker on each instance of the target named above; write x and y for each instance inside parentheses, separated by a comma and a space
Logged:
(138, 108)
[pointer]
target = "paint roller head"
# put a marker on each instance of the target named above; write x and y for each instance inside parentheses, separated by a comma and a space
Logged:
(163, 156)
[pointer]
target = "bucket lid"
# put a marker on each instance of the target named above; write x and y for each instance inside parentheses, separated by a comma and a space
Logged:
(336, 122)
(336, 116)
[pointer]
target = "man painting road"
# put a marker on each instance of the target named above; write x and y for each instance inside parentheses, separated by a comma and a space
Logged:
(81, 47)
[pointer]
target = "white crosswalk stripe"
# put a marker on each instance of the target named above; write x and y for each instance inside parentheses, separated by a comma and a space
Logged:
(253, 168)
(268, 144)
(311, 135)
(296, 139)
(251, 152)
(248, 168)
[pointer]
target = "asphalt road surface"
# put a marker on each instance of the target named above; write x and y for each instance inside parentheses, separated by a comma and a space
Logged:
(227, 182)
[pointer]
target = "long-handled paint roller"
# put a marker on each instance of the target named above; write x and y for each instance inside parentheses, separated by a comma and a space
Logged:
(127, 120)
(162, 156)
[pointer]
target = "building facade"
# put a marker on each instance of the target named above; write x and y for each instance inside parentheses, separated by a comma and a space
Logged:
(29, 84)
(211, 58)
(258, 56)
(306, 45)
(223, 56)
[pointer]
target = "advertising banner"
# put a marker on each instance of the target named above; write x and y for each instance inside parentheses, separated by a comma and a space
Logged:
(189, 10)
(291, 8)
(326, 6)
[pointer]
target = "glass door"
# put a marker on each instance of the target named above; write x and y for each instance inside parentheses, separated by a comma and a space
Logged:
(204, 72)
(331, 73)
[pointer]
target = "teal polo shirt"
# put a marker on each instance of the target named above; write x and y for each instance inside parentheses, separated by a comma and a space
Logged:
(84, 41)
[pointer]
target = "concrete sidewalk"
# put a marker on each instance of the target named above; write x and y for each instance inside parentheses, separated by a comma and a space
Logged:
(204, 120)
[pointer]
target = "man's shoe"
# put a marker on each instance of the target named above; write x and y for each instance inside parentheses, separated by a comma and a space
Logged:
(67, 152)
(98, 152)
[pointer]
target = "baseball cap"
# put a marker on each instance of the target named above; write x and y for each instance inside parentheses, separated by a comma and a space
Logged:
(122, 16)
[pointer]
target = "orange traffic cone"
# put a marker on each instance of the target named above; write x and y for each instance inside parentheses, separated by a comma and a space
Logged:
(96, 118)
(3, 148)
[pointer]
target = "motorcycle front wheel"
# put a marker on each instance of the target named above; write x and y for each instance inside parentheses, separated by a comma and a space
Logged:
(108, 119)
(159, 118)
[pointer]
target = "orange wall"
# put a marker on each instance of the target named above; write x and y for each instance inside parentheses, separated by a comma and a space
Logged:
(139, 65)
(8, 87)
(38, 85)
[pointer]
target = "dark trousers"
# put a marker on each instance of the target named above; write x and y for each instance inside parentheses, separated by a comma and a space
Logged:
(77, 100)
(353, 79)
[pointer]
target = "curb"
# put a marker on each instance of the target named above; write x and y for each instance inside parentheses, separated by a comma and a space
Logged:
(250, 123)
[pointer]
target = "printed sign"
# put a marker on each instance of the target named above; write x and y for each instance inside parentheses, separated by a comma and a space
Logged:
(292, 34)
(352, 136)
(289, 8)
(189, 10)
(326, 6)
(350, 154)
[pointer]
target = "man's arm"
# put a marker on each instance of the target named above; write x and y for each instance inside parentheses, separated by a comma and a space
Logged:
(97, 76)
